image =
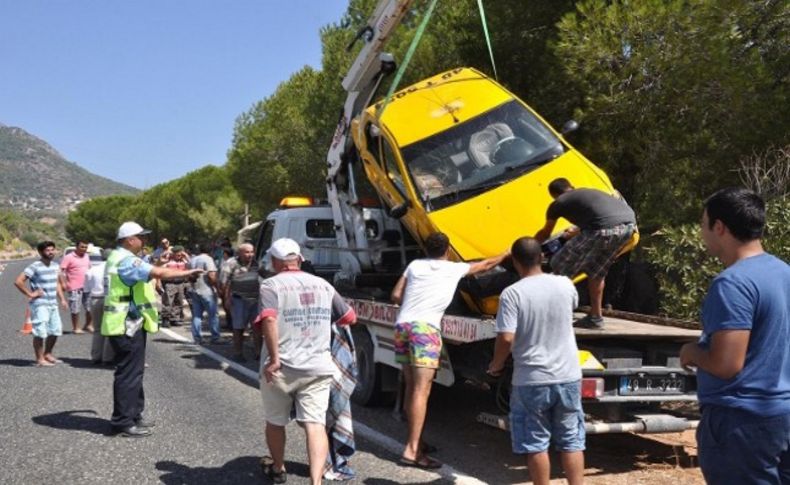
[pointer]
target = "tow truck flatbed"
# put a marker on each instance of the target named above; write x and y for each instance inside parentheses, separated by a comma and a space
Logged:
(624, 328)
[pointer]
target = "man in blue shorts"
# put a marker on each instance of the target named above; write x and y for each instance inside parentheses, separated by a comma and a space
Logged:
(743, 356)
(44, 292)
(535, 324)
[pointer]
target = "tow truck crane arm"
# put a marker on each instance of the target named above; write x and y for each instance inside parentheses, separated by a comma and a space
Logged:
(361, 83)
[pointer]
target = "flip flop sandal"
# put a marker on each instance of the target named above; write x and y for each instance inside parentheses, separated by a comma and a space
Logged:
(267, 467)
(42, 364)
(423, 462)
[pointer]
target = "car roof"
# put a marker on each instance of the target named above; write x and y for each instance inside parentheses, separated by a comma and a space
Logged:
(438, 103)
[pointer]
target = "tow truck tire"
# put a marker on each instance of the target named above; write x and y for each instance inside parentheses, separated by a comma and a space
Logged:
(368, 390)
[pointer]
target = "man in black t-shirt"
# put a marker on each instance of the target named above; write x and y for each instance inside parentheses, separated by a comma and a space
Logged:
(604, 224)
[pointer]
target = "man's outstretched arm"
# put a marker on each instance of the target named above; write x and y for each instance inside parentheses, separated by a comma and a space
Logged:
(487, 264)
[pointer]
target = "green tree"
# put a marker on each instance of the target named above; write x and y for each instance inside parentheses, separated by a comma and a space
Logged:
(276, 148)
(675, 92)
(202, 205)
(97, 219)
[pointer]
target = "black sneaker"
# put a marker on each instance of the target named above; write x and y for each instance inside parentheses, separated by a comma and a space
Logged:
(589, 321)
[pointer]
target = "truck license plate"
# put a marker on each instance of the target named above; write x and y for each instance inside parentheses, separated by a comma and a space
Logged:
(645, 384)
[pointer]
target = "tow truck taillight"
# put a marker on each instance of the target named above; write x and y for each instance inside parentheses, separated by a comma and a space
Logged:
(592, 387)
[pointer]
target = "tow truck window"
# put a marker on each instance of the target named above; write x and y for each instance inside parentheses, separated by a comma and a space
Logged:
(479, 154)
(320, 228)
(265, 239)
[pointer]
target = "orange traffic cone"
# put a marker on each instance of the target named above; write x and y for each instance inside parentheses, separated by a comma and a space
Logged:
(27, 327)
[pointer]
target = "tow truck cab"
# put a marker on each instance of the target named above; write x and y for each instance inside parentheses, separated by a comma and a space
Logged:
(309, 222)
(460, 154)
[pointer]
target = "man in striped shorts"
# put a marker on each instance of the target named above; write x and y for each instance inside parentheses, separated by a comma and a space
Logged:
(43, 292)
(604, 223)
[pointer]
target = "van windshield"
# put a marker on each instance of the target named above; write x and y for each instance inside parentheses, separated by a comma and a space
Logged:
(479, 154)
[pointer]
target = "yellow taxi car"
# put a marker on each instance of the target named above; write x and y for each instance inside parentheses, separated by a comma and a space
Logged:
(460, 154)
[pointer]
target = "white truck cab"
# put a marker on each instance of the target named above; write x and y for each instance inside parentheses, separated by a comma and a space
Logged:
(312, 226)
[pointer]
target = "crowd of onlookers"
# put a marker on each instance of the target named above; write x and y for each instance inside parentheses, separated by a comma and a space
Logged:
(229, 281)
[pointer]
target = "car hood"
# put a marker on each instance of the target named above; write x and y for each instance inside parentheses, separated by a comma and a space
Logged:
(487, 224)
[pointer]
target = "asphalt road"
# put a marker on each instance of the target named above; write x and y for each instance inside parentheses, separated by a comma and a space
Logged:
(54, 424)
(54, 421)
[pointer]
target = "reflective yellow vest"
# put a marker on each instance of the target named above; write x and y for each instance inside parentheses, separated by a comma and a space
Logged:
(119, 295)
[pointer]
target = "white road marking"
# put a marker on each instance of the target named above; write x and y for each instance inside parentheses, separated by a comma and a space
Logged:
(366, 432)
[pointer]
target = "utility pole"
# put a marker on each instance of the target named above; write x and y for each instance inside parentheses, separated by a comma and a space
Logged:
(245, 218)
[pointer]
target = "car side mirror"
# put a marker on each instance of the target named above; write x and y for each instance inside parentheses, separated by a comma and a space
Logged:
(400, 210)
(569, 126)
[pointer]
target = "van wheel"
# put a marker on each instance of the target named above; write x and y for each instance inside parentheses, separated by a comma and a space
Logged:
(368, 389)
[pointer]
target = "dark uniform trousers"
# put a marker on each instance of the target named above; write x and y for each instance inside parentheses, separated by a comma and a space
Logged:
(128, 396)
(173, 295)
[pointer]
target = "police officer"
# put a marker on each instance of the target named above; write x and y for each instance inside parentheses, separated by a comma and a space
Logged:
(129, 313)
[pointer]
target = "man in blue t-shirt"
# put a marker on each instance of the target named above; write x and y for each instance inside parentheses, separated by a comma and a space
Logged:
(743, 355)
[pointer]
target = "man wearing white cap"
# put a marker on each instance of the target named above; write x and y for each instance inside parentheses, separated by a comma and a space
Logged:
(130, 313)
(297, 310)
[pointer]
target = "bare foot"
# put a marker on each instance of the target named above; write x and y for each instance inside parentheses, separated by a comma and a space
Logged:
(52, 359)
(44, 363)
(89, 329)
(77, 331)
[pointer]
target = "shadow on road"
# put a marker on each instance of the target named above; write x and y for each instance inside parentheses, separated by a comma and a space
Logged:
(384, 481)
(80, 363)
(18, 362)
(73, 421)
(622, 453)
(241, 470)
(163, 340)
(203, 361)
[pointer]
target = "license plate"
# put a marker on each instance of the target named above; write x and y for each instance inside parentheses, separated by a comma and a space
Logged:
(655, 384)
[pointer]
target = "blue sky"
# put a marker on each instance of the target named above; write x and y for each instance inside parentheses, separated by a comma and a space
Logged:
(144, 91)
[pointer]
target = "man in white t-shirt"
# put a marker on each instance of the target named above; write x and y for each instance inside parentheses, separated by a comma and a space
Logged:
(424, 292)
(297, 311)
(535, 324)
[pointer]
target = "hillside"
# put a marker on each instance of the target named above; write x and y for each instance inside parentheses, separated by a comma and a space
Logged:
(35, 178)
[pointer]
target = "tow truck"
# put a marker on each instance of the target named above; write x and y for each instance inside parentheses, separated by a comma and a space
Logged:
(460, 154)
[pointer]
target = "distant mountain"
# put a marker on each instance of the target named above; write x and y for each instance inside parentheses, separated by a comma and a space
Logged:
(34, 177)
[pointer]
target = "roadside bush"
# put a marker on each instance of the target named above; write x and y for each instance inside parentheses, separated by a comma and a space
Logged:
(684, 270)
(31, 238)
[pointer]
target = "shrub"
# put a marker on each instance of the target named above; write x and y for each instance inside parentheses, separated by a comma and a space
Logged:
(684, 270)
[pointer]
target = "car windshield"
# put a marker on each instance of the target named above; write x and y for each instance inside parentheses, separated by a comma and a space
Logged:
(479, 154)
